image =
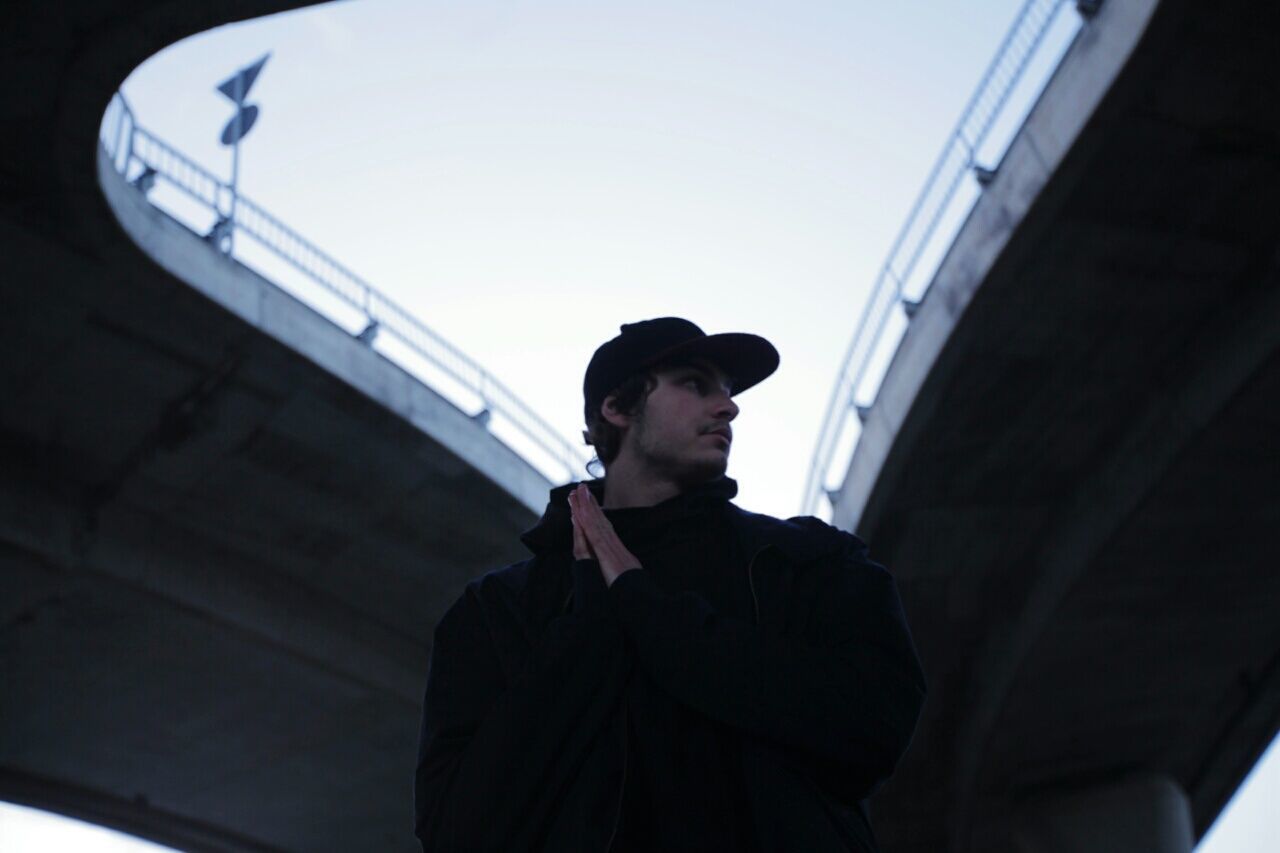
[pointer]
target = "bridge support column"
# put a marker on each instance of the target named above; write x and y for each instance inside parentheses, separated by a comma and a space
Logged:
(1147, 812)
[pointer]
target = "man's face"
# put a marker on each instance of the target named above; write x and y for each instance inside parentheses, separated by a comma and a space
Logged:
(673, 435)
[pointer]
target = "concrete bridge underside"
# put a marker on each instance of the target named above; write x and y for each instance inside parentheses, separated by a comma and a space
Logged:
(1073, 466)
(227, 529)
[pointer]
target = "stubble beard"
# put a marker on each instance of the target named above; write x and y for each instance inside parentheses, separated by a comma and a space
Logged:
(685, 470)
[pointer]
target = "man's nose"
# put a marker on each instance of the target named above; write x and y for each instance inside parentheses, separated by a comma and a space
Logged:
(726, 407)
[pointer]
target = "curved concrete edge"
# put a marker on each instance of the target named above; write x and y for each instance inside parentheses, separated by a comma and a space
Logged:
(1221, 359)
(88, 218)
(1068, 102)
(329, 637)
(1256, 721)
(91, 51)
(135, 817)
(104, 57)
(283, 317)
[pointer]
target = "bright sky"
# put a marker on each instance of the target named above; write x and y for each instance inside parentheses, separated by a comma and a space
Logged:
(525, 177)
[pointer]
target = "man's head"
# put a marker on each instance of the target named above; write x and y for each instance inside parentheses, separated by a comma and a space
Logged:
(657, 392)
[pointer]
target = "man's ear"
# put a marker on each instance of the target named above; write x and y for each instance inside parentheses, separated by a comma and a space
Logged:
(609, 411)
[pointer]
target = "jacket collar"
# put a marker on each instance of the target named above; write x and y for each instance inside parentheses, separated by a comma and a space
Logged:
(554, 530)
(551, 541)
(797, 540)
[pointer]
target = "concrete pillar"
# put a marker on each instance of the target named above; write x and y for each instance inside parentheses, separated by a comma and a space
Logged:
(1145, 812)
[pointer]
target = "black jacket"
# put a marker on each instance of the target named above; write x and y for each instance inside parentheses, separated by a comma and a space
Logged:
(524, 744)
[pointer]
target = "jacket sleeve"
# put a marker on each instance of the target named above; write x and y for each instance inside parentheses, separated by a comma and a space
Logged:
(843, 694)
(494, 759)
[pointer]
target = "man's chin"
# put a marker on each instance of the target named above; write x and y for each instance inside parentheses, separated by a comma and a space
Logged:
(704, 469)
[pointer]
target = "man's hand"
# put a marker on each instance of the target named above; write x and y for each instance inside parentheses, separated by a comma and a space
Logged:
(594, 537)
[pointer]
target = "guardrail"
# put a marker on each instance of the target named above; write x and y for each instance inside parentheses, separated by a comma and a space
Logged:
(853, 395)
(134, 149)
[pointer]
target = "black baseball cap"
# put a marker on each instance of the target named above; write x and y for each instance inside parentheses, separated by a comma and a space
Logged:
(745, 358)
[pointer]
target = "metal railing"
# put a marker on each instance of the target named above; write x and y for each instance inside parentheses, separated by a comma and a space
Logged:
(849, 400)
(134, 149)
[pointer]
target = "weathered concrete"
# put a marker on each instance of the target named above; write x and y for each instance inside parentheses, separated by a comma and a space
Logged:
(1071, 467)
(227, 529)
(1083, 78)
(281, 317)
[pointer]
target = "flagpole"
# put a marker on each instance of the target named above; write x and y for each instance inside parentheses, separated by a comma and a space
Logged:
(236, 89)
(235, 166)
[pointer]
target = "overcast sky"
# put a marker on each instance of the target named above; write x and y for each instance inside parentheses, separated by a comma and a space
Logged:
(525, 177)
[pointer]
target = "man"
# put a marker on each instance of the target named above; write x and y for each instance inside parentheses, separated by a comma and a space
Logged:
(668, 672)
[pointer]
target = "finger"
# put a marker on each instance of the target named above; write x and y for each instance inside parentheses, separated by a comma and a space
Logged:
(588, 502)
(597, 521)
(581, 547)
(580, 550)
(599, 532)
(590, 517)
(582, 503)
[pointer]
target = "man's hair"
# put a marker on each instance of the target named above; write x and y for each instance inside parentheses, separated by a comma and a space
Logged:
(604, 436)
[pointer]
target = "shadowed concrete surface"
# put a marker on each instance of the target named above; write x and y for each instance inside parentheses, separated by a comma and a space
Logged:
(227, 529)
(1072, 465)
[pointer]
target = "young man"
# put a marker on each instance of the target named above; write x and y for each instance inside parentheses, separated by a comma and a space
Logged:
(668, 672)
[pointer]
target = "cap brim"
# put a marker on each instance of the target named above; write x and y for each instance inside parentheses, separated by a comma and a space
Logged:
(747, 359)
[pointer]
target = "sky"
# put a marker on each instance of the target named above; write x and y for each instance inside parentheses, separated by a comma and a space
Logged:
(524, 178)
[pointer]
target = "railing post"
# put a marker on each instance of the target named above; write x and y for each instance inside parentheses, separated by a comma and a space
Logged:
(128, 154)
(115, 149)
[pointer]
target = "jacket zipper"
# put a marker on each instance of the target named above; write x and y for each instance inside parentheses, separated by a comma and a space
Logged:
(623, 787)
(751, 583)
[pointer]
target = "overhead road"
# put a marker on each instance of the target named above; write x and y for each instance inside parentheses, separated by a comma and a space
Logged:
(227, 526)
(1071, 465)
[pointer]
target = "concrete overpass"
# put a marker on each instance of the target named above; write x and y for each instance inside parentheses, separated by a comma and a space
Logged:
(227, 528)
(1072, 464)
(214, 609)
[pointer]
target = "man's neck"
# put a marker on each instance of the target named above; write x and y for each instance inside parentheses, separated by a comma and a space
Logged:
(626, 487)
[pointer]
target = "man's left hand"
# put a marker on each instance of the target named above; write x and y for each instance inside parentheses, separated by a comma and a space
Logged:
(613, 556)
